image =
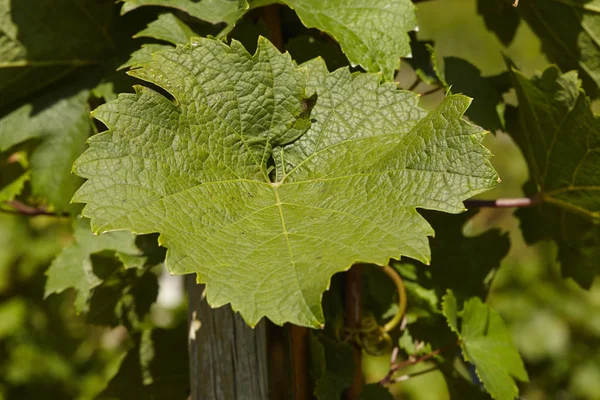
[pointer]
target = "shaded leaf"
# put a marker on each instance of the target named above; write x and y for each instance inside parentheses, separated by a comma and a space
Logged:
(41, 42)
(72, 268)
(231, 162)
(465, 78)
(61, 123)
(332, 366)
(570, 35)
(560, 137)
(374, 391)
(304, 48)
(162, 358)
(486, 343)
(213, 11)
(457, 262)
(501, 17)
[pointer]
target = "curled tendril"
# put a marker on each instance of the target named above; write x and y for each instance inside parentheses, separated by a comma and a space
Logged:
(371, 337)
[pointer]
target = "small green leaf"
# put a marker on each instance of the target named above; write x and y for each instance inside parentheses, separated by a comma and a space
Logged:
(263, 198)
(486, 343)
(61, 122)
(168, 28)
(372, 35)
(72, 268)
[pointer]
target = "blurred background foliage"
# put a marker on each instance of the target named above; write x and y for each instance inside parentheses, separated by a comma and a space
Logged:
(49, 351)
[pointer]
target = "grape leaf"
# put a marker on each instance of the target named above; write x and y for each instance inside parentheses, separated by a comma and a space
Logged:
(213, 11)
(72, 268)
(41, 42)
(264, 207)
(61, 121)
(560, 137)
(372, 34)
(332, 366)
(501, 17)
(13, 176)
(465, 78)
(155, 368)
(168, 28)
(486, 343)
(570, 35)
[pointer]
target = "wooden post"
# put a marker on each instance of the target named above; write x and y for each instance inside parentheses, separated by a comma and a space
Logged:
(228, 359)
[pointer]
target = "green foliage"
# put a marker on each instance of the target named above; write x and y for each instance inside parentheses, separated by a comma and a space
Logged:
(559, 134)
(373, 36)
(43, 42)
(73, 266)
(266, 175)
(242, 190)
(213, 11)
(486, 343)
(570, 35)
(332, 366)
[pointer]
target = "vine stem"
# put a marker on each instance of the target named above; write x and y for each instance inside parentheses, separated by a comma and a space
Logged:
(386, 380)
(24, 209)
(391, 324)
(501, 203)
(353, 317)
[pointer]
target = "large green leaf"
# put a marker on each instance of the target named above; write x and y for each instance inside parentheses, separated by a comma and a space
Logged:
(486, 343)
(41, 42)
(560, 136)
(570, 35)
(60, 122)
(262, 205)
(72, 268)
(372, 34)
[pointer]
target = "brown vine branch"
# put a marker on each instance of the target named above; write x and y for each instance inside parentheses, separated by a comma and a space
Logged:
(353, 319)
(24, 209)
(432, 91)
(406, 377)
(502, 203)
(394, 367)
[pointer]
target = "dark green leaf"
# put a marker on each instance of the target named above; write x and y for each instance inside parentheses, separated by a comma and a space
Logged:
(560, 136)
(61, 123)
(465, 78)
(72, 268)
(332, 366)
(501, 17)
(41, 42)
(375, 391)
(570, 35)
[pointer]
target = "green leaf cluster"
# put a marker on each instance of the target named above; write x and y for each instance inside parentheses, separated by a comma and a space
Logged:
(268, 174)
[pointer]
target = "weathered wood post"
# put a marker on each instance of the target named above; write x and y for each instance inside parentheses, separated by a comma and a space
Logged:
(228, 359)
